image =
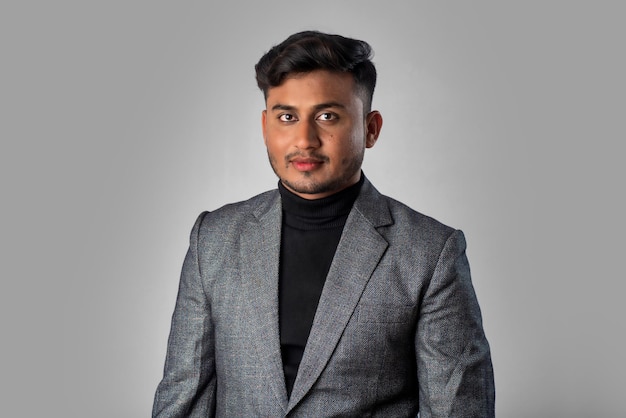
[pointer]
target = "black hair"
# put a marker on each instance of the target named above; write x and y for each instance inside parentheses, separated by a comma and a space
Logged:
(312, 50)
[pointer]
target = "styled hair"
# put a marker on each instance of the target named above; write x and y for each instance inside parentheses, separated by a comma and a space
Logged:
(307, 51)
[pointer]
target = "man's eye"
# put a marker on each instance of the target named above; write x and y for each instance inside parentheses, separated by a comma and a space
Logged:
(287, 117)
(327, 116)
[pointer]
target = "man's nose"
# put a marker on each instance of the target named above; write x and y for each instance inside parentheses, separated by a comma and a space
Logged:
(307, 135)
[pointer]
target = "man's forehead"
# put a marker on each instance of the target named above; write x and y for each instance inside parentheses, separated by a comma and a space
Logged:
(314, 88)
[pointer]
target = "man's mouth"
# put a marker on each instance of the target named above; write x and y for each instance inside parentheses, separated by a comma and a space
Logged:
(306, 164)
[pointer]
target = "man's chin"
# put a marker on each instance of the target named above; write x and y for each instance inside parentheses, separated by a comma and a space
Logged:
(307, 187)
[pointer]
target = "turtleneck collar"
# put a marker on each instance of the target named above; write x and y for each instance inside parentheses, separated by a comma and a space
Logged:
(327, 212)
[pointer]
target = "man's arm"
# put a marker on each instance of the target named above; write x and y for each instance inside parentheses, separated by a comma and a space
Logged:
(189, 382)
(454, 362)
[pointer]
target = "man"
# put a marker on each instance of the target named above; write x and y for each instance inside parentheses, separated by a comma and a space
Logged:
(324, 297)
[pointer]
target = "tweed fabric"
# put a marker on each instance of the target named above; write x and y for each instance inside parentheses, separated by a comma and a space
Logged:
(397, 331)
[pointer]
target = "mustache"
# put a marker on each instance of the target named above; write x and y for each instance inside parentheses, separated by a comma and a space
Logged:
(310, 155)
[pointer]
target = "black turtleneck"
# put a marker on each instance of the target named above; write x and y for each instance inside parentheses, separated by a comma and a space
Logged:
(311, 230)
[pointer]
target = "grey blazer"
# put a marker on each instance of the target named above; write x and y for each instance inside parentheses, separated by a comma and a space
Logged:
(397, 330)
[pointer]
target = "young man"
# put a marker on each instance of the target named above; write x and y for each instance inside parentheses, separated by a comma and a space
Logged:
(324, 297)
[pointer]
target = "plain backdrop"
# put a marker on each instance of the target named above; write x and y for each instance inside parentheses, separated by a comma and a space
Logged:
(122, 120)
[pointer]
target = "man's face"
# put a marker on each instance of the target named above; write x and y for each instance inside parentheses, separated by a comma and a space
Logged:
(316, 132)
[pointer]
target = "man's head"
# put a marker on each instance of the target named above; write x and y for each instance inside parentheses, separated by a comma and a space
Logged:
(304, 52)
(317, 122)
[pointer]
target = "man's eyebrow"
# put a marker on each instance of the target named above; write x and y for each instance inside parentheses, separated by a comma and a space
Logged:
(329, 105)
(319, 106)
(279, 106)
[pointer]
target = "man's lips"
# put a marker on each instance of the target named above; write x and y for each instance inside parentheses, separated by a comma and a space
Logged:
(306, 164)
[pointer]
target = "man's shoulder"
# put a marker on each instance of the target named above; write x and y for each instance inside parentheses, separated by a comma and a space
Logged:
(399, 214)
(413, 234)
(255, 204)
(241, 211)
(405, 214)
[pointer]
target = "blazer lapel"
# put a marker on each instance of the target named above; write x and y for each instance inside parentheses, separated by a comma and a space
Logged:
(358, 253)
(260, 250)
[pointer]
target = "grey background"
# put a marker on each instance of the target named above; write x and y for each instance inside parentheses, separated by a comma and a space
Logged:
(121, 121)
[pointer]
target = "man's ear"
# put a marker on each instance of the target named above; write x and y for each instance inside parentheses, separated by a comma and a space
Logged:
(373, 125)
(264, 125)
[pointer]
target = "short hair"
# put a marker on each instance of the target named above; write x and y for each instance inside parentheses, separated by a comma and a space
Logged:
(307, 51)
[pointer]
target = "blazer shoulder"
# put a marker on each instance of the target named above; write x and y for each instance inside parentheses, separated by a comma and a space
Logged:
(238, 212)
(217, 235)
(386, 212)
(419, 223)
(402, 226)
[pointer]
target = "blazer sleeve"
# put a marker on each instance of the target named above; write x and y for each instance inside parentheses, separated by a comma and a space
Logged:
(454, 367)
(188, 386)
